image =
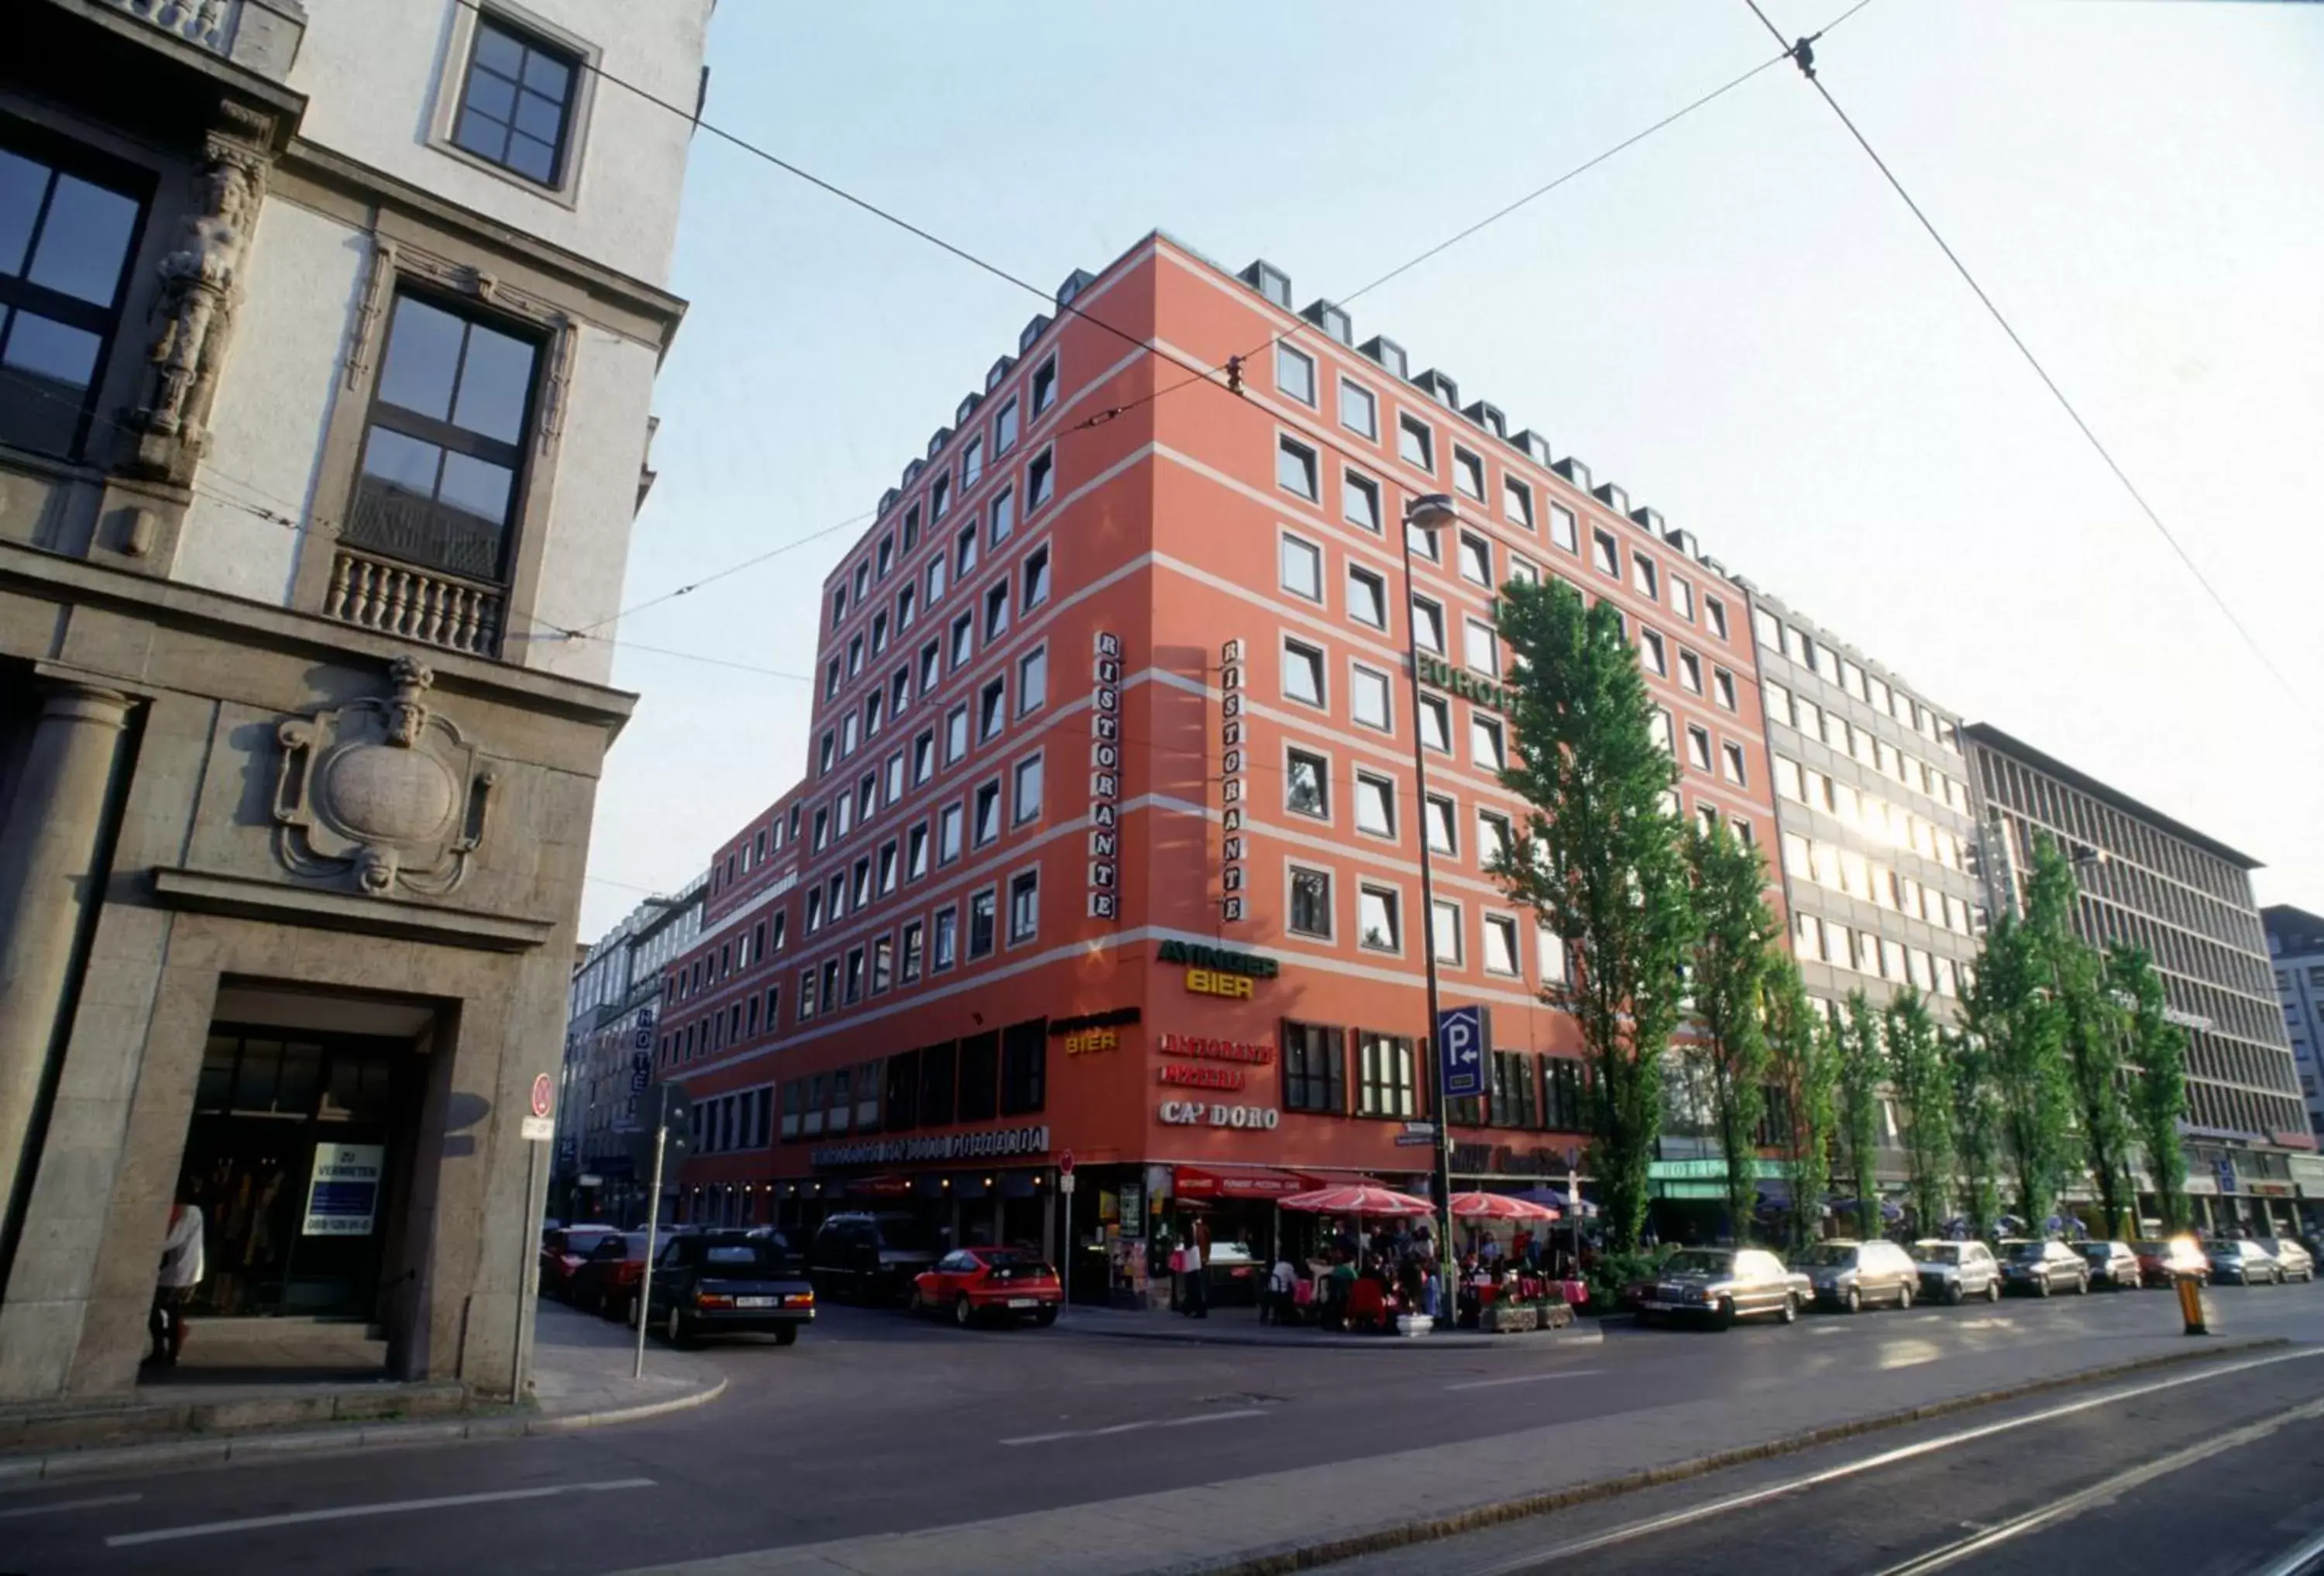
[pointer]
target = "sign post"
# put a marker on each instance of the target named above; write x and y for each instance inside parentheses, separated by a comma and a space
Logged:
(536, 1129)
(1065, 1256)
(669, 1127)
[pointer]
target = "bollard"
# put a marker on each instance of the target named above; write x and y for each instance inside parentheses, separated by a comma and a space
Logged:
(2192, 1305)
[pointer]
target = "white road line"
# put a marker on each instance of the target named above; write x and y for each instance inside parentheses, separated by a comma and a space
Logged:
(349, 1512)
(1678, 1518)
(1135, 1427)
(51, 1509)
(1577, 1373)
(2296, 1560)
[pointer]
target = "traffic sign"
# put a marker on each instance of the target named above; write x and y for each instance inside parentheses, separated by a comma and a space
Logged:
(544, 1095)
(1462, 1035)
(1066, 1184)
(1066, 1164)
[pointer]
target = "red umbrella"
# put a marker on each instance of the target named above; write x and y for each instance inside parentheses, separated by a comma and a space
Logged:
(1498, 1206)
(1373, 1203)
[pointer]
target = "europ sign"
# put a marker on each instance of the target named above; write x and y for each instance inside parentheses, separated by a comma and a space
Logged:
(1462, 1037)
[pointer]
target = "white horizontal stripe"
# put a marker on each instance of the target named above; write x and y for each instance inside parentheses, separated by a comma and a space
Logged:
(350, 1512)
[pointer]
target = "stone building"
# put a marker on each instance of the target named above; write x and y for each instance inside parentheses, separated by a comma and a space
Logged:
(327, 341)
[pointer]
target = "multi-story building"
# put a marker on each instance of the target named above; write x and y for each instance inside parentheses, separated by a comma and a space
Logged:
(330, 333)
(2295, 944)
(1110, 835)
(2186, 898)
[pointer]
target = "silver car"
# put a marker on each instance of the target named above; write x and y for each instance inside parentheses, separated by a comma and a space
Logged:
(2293, 1261)
(1723, 1285)
(2244, 1261)
(1954, 1272)
(1855, 1276)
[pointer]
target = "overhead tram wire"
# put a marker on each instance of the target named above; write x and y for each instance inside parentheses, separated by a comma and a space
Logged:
(1801, 51)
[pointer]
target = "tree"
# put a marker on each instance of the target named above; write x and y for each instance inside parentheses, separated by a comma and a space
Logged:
(2009, 1009)
(1731, 957)
(1599, 861)
(1976, 1137)
(1801, 1063)
(2158, 1090)
(1857, 1063)
(1923, 1085)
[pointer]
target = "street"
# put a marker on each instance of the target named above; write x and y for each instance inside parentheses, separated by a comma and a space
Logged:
(877, 1424)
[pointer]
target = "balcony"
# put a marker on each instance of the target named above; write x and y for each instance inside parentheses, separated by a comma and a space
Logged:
(412, 603)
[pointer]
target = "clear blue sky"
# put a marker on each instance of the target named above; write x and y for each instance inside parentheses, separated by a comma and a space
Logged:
(1735, 319)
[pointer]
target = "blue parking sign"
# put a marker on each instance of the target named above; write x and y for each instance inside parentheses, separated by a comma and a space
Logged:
(1463, 1036)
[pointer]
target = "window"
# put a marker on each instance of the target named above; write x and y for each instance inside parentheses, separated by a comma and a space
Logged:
(1033, 681)
(1444, 931)
(924, 757)
(908, 608)
(1424, 543)
(1500, 944)
(1303, 673)
(1368, 698)
(850, 734)
(1487, 746)
(1722, 687)
(1295, 373)
(516, 105)
(1044, 386)
(1002, 517)
(1041, 480)
(1730, 763)
(948, 830)
(971, 463)
(996, 610)
(1787, 779)
(1605, 555)
(1645, 577)
(1306, 784)
(1024, 906)
(829, 750)
(883, 962)
(64, 245)
(1360, 502)
(875, 709)
(1315, 1071)
(888, 867)
(1689, 670)
(444, 448)
(980, 1068)
(1717, 610)
(938, 568)
(1476, 559)
(956, 734)
(940, 498)
(1375, 805)
(1384, 1075)
(916, 852)
(1300, 568)
(964, 554)
(1367, 597)
(914, 951)
(1524, 570)
(1358, 410)
(1037, 578)
(1295, 468)
(1428, 625)
(943, 945)
(931, 655)
(1435, 723)
(1494, 839)
(1517, 503)
(855, 656)
(1681, 598)
(985, 817)
(991, 709)
(1437, 824)
(1468, 473)
(1004, 428)
(1026, 790)
(1416, 444)
(1024, 1057)
(1561, 528)
(814, 910)
(1311, 903)
(980, 915)
(1697, 747)
(964, 639)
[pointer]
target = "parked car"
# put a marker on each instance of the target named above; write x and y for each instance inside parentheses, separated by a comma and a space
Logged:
(723, 1283)
(869, 1256)
(1723, 1285)
(1954, 1272)
(2112, 1265)
(1856, 1274)
(563, 1251)
(608, 1278)
(2244, 1262)
(2161, 1263)
(2041, 1268)
(978, 1283)
(2293, 1261)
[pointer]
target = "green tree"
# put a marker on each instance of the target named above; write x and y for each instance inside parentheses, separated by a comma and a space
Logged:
(1976, 1130)
(1919, 1074)
(2158, 1090)
(1601, 863)
(1859, 1065)
(2009, 1010)
(1731, 957)
(1804, 1073)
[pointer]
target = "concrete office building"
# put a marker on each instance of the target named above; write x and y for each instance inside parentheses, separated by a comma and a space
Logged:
(2296, 946)
(330, 333)
(2186, 898)
(1110, 839)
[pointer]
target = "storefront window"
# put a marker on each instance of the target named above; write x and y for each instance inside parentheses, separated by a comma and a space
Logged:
(1024, 1066)
(1386, 1082)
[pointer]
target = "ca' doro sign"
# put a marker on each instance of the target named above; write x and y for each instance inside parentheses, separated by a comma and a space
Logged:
(992, 1144)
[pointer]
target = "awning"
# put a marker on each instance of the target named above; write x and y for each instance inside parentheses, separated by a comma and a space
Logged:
(1192, 1182)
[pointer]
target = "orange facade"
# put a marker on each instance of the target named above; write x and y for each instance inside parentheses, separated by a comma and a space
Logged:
(997, 921)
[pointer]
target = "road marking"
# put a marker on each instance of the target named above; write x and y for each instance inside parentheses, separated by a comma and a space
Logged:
(2101, 1493)
(349, 1512)
(71, 1504)
(1678, 1518)
(2295, 1560)
(1135, 1427)
(1579, 1373)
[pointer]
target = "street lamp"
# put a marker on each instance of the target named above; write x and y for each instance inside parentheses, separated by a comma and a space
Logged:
(1431, 512)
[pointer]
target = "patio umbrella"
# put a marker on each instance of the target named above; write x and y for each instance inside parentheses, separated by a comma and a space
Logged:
(1364, 1203)
(1500, 1206)
(1579, 1208)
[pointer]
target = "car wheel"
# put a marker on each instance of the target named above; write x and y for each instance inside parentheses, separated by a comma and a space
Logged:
(1904, 1298)
(1722, 1317)
(674, 1329)
(2081, 1286)
(1045, 1318)
(630, 1313)
(1954, 1296)
(786, 1335)
(2041, 1286)
(963, 1311)
(1993, 1290)
(1853, 1302)
(1789, 1314)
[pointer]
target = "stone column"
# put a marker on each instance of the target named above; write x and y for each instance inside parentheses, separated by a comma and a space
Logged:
(48, 882)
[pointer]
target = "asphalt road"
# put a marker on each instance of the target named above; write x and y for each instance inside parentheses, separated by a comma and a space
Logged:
(877, 1424)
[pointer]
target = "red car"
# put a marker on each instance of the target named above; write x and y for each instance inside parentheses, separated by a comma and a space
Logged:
(975, 1283)
(608, 1278)
(563, 1251)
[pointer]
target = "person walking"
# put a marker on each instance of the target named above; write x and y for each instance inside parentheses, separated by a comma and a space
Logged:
(1195, 1304)
(182, 1271)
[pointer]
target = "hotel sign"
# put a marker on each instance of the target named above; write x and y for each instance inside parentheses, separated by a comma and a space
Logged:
(1460, 681)
(1105, 777)
(1231, 766)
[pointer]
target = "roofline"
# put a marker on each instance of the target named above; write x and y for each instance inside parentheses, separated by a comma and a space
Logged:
(2274, 913)
(2003, 744)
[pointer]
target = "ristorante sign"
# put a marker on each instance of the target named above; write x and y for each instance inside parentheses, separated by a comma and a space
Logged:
(991, 1144)
(1105, 777)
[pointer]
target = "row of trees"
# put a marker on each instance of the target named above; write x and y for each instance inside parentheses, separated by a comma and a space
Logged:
(2064, 1063)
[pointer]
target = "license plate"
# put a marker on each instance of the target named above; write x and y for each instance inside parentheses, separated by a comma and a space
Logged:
(1024, 1301)
(754, 1301)
(1660, 1307)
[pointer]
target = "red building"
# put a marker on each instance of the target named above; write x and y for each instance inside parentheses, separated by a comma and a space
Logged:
(1107, 842)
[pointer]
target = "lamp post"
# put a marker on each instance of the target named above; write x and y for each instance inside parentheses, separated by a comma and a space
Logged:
(1431, 512)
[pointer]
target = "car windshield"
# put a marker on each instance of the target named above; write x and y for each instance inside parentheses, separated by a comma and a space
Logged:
(1698, 1261)
(2098, 1250)
(2029, 1251)
(905, 1235)
(1828, 1253)
(1008, 1258)
(741, 1255)
(1939, 1252)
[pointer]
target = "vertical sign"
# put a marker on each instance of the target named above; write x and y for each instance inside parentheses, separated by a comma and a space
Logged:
(343, 1194)
(1105, 777)
(1461, 1033)
(1230, 782)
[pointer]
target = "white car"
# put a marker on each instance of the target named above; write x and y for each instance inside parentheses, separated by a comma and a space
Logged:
(1954, 1272)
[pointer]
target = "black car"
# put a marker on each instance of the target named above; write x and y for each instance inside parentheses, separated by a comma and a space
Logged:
(728, 1282)
(870, 1255)
(2112, 1265)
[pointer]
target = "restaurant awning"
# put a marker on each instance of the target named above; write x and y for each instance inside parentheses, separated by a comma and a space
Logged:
(1256, 1182)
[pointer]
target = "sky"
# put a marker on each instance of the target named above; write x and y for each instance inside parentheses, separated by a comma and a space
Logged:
(1736, 319)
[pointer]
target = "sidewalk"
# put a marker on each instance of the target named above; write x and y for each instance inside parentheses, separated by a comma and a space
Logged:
(581, 1380)
(1299, 1518)
(1240, 1327)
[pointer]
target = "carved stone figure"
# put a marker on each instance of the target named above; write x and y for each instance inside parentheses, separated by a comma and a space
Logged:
(199, 282)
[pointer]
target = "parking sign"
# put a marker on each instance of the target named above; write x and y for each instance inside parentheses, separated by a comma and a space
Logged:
(1462, 1035)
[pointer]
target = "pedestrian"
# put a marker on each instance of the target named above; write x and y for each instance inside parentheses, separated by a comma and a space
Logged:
(173, 1286)
(1195, 1302)
(1282, 1287)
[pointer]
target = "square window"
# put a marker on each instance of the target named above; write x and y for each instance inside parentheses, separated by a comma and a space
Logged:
(1036, 577)
(1561, 528)
(1033, 681)
(1303, 673)
(1300, 568)
(1026, 791)
(1487, 746)
(1377, 925)
(1375, 805)
(1041, 480)
(1605, 554)
(1044, 386)
(1444, 931)
(1295, 373)
(1024, 906)
(1360, 502)
(1295, 468)
(991, 709)
(1517, 503)
(1307, 778)
(980, 923)
(948, 833)
(1368, 698)
(1416, 443)
(1001, 516)
(1436, 722)
(1476, 559)
(1367, 597)
(516, 106)
(1311, 903)
(1468, 473)
(1428, 625)
(1358, 410)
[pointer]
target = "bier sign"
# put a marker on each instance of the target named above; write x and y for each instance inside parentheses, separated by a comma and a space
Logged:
(1105, 777)
(1231, 782)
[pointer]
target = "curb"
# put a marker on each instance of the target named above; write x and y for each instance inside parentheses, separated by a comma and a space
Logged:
(226, 1451)
(1532, 1340)
(1281, 1560)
